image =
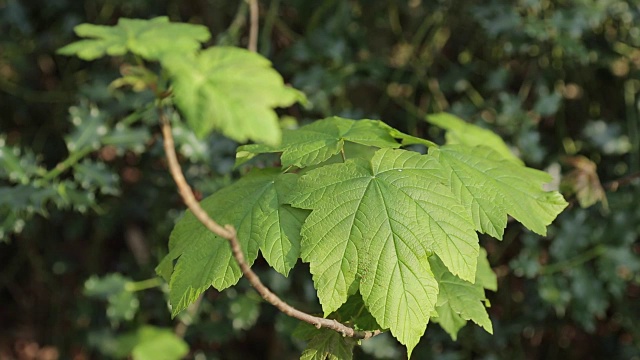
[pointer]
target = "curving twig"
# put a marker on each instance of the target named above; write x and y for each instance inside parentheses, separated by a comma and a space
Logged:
(253, 30)
(228, 232)
(625, 180)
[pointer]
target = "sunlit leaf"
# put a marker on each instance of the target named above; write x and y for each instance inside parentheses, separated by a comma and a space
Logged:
(458, 301)
(376, 223)
(255, 206)
(149, 39)
(232, 90)
(315, 143)
(462, 132)
(490, 188)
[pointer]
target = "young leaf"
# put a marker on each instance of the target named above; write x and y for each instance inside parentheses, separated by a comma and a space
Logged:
(254, 205)
(490, 188)
(406, 139)
(328, 345)
(314, 143)
(245, 153)
(150, 39)
(380, 220)
(461, 132)
(458, 301)
(230, 89)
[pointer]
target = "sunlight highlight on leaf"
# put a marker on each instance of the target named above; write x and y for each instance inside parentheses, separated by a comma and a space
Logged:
(232, 90)
(150, 39)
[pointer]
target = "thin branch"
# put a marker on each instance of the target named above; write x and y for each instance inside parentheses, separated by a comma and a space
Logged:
(70, 161)
(573, 262)
(228, 232)
(613, 185)
(626, 180)
(253, 30)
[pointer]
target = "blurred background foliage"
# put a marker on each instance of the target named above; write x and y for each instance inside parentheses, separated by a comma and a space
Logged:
(86, 203)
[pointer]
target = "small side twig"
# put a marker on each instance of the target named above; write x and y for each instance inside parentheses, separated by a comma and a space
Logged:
(228, 232)
(626, 180)
(253, 30)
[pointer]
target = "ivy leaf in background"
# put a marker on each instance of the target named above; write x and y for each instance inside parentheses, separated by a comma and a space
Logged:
(458, 301)
(93, 176)
(150, 39)
(254, 205)
(232, 90)
(125, 138)
(461, 132)
(490, 188)
(17, 165)
(377, 222)
(89, 126)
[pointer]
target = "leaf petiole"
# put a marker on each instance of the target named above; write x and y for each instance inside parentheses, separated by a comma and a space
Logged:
(134, 286)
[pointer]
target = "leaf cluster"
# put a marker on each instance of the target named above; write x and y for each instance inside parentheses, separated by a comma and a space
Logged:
(219, 88)
(393, 227)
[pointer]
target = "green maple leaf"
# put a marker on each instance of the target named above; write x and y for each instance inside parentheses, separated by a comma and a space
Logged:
(230, 89)
(328, 344)
(355, 312)
(255, 206)
(373, 225)
(461, 132)
(491, 188)
(458, 301)
(314, 143)
(485, 276)
(150, 39)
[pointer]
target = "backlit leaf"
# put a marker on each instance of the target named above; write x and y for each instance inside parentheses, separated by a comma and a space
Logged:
(149, 39)
(315, 143)
(232, 90)
(490, 188)
(376, 223)
(254, 206)
(458, 301)
(462, 132)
